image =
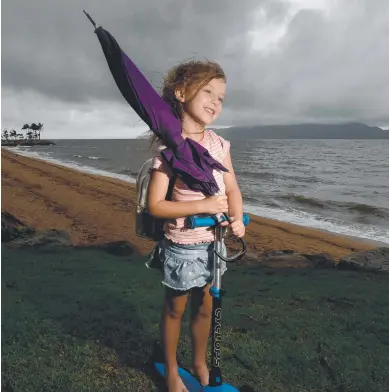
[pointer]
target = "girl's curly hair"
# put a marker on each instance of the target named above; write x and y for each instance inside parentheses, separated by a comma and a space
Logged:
(190, 77)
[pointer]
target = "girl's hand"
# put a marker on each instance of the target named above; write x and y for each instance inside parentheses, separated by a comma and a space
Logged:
(238, 228)
(215, 204)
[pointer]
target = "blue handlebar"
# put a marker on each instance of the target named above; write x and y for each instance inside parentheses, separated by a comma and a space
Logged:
(210, 220)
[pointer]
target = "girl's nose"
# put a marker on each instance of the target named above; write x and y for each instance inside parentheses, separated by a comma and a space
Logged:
(216, 101)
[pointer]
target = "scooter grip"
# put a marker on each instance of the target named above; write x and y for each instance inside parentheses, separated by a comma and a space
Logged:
(210, 220)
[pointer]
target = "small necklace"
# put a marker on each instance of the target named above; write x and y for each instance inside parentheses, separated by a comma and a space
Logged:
(192, 133)
(195, 133)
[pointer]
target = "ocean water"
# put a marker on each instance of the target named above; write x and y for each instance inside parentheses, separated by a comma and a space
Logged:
(341, 186)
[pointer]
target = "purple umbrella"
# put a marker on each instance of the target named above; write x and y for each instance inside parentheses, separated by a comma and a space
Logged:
(185, 157)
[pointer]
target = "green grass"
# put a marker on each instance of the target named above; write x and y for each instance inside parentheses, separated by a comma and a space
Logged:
(85, 320)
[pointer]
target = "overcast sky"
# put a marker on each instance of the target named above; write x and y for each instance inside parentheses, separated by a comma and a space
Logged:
(287, 62)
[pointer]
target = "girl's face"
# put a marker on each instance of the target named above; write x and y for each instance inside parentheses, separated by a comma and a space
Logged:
(206, 106)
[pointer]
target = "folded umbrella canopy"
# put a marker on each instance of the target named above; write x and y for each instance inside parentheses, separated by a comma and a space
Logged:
(185, 157)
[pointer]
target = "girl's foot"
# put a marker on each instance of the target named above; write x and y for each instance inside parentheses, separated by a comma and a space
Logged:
(202, 372)
(174, 382)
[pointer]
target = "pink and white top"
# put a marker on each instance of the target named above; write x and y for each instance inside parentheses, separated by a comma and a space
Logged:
(176, 230)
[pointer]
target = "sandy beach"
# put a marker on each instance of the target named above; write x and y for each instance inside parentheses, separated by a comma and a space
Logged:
(95, 209)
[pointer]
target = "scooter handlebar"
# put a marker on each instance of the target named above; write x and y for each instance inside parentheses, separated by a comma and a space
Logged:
(213, 220)
(210, 220)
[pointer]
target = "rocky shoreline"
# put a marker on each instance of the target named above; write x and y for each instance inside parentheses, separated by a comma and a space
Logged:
(15, 143)
(17, 235)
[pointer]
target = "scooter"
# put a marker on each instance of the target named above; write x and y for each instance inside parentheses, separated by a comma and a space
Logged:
(216, 383)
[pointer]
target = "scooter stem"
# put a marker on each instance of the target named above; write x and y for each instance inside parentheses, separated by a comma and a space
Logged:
(215, 375)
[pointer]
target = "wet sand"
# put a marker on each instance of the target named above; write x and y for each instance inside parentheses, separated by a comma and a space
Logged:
(94, 209)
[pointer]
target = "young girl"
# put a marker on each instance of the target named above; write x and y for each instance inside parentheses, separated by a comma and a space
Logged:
(195, 91)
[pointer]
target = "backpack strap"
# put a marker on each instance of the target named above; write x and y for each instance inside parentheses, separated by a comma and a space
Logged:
(171, 187)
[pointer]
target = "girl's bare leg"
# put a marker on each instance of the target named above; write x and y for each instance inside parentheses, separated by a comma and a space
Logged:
(201, 304)
(174, 308)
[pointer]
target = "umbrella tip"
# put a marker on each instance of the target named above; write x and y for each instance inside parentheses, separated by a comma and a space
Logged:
(90, 18)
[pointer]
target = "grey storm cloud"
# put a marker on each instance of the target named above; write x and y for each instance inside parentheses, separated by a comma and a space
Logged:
(328, 65)
(50, 46)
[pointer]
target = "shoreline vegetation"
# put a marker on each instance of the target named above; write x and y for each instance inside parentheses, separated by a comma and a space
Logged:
(23, 142)
(30, 136)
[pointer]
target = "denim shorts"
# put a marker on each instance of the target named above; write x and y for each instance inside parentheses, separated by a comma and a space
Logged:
(185, 266)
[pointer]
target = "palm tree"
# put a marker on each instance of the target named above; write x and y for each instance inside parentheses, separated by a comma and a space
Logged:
(40, 129)
(34, 132)
(13, 134)
(25, 127)
(5, 134)
(34, 128)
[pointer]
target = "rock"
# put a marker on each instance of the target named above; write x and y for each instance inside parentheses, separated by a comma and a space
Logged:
(282, 252)
(371, 260)
(291, 259)
(118, 248)
(18, 235)
(285, 259)
(321, 260)
(250, 258)
(47, 239)
(12, 228)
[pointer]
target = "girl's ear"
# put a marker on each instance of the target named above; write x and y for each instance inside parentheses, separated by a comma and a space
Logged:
(180, 95)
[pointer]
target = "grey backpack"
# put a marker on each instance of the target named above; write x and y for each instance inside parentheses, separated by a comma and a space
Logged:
(146, 225)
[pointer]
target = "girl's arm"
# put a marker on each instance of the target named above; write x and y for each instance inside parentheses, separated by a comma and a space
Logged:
(163, 209)
(235, 203)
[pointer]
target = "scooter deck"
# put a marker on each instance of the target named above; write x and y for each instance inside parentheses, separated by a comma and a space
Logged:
(192, 384)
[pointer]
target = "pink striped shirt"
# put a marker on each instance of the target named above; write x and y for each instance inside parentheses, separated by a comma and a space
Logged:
(176, 230)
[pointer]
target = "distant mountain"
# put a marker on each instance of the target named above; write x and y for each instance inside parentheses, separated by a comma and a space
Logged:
(305, 131)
